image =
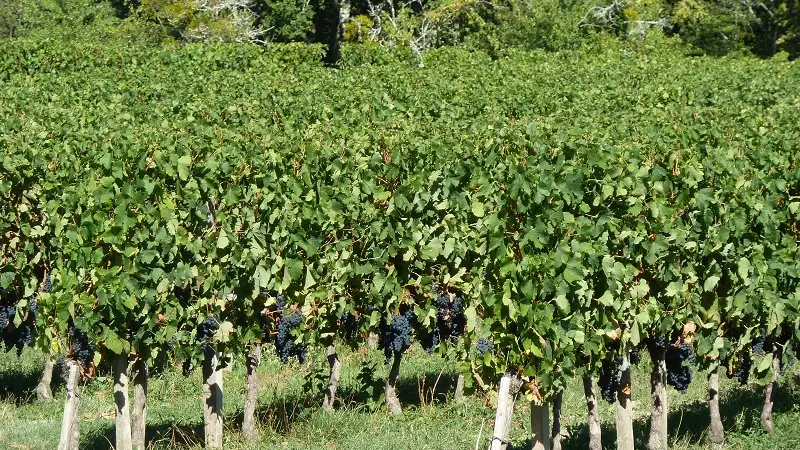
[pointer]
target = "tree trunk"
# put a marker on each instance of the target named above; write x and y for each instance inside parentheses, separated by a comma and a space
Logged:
(716, 434)
(505, 409)
(459, 395)
(69, 424)
(658, 402)
(625, 408)
(392, 398)
(344, 17)
(333, 380)
(121, 400)
(251, 400)
(139, 415)
(43, 392)
(769, 394)
(540, 427)
(212, 399)
(593, 415)
(558, 434)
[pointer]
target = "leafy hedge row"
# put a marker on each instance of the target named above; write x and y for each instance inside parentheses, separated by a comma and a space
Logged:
(572, 201)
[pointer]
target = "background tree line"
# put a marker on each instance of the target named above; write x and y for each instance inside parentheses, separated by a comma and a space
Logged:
(715, 27)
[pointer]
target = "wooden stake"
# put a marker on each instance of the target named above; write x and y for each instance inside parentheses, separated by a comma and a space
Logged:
(593, 415)
(505, 409)
(540, 427)
(625, 408)
(69, 424)
(123, 413)
(333, 379)
(212, 399)
(139, 414)
(716, 434)
(658, 401)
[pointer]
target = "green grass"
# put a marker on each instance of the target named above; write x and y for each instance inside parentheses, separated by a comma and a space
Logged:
(290, 417)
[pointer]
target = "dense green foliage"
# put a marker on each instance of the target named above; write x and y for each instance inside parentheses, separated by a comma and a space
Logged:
(571, 199)
(714, 27)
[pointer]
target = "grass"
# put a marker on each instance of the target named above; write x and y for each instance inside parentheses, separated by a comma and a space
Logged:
(290, 415)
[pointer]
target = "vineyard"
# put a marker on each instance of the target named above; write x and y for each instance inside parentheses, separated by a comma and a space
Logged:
(523, 225)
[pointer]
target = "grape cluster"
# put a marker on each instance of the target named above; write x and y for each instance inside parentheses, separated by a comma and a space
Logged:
(450, 318)
(47, 285)
(483, 346)
(757, 345)
(16, 336)
(610, 377)
(349, 324)
(742, 371)
(679, 375)
(206, 331)
(8, 308)
(395, 334)
(82, 349)
(284, 341)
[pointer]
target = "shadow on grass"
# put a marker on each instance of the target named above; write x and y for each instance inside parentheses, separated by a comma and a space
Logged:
(740, 407)
(158, 436)
(18, 387)
(280, 415)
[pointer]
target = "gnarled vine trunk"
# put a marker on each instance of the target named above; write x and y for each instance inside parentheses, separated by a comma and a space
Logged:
(139, 414)
(70, 434)
(121, 402)
(392, 397)
(333, 379)
(625, 408)
(716, 434)
(251, 398)
(769, 393)
(592, 415)
(212, 399)
(43, 392)
(658, 401)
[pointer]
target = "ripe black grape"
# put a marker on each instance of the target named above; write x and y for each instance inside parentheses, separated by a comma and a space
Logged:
(742, 371)
(450, 319)
(47, 286)
(610, 378)
(757, 345)
(82, 348)
(206, 331)
(679, 375)
(483, 346)
(285, 344)
(16, 336)
(396, 333)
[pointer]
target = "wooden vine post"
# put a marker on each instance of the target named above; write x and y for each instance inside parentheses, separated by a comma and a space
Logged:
(212, 399)
(251, 396)
(70, 434)
(121, 400)
(625, 440)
